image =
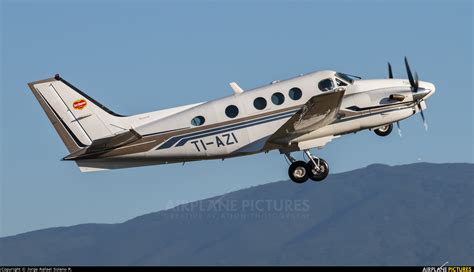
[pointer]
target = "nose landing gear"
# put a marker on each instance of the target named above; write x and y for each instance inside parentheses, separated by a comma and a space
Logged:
(315, 169)
(384, 131)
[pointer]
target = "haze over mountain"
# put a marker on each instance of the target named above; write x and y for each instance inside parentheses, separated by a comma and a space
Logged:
(416, 214)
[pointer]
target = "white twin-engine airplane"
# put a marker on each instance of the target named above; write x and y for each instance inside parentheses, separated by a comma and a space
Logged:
(297, 114)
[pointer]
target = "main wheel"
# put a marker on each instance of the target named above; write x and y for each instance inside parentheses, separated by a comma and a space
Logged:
(314, 174)
(384, 131)
(298, 172)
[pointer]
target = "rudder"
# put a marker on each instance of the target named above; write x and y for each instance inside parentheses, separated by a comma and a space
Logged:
(77, 118)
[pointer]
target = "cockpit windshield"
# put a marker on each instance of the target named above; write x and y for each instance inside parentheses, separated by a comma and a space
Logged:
(347, 78)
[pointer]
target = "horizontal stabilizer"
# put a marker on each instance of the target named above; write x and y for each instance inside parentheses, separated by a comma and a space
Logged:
(102, 145)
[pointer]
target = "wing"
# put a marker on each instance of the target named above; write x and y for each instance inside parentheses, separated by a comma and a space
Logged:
(319, 111)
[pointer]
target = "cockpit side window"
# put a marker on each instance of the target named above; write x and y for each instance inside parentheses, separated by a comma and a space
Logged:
(340, 82)
(346, 78)
(326, 85)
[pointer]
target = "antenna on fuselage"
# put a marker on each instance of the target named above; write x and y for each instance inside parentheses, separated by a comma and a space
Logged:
(236, 88)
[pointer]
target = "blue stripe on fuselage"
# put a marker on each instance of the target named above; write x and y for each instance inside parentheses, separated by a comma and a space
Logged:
(184, 138)
(183, 141)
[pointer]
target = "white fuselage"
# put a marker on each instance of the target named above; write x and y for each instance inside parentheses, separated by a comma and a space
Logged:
(365, 105)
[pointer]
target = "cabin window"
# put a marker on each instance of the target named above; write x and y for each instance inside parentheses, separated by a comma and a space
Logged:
(326, 85)
(295, 93)
(198, 120)
(260, 103)
(231, 111)
(278, 98)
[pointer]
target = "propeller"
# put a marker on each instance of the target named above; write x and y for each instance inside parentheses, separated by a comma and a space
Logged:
(390, 74)
(425, 124)
(414, 86)
(399, 129)
(413, 82)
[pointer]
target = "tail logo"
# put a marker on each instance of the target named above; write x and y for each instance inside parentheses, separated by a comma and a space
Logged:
(79, 104)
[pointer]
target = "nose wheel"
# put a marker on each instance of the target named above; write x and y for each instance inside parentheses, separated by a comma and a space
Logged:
(384, 131)
(315, 169)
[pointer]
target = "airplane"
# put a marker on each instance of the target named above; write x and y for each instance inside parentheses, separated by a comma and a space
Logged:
(298, 114)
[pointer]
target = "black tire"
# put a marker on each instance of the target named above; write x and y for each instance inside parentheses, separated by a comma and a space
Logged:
(384, 131)
(315, 175)
(298, 172)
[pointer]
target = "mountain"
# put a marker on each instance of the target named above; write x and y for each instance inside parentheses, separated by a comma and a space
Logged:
(416, 214)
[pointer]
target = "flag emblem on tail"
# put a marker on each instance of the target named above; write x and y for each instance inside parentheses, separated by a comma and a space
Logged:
(79, 104)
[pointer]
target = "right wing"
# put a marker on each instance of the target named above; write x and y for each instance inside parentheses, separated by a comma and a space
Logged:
(319, 111)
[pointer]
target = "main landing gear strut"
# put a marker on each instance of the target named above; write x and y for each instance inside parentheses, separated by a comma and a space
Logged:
(315, 169)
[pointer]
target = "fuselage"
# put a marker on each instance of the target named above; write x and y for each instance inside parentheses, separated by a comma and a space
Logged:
(241, 123)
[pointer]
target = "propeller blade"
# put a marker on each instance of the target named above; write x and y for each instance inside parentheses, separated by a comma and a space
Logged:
(399, 130)
(425, 124)
(410, 76)
(390, 74)
(416, 82)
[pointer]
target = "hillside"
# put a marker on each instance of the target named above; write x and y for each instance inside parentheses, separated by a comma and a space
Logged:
(417, 214)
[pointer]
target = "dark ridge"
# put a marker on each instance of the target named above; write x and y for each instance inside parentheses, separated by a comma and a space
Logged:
(415, 214)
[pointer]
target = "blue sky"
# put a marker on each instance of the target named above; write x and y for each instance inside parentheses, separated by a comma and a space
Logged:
(138, 56)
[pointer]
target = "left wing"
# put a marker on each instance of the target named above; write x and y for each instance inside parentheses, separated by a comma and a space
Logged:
(317, 112)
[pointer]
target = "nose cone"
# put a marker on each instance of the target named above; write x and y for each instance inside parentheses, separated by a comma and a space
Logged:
(431, 87)
(426, 90)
